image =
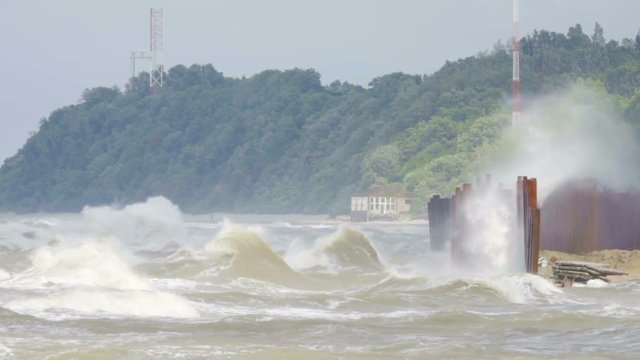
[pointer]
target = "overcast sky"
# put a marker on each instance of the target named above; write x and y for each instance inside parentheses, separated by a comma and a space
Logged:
(51, 50)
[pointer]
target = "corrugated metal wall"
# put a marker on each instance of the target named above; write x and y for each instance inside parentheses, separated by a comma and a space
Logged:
(579, 218)
(439, 212)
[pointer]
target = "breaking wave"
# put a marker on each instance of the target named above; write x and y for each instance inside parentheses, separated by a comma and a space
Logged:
(107, 302)
(238, 252)
(247, 255)
(517, 288)
(89, 278)
(347, 250)
(95, 263)
(156, 221)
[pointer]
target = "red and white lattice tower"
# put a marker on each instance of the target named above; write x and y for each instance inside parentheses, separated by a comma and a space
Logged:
(155, 48)
(517, 104)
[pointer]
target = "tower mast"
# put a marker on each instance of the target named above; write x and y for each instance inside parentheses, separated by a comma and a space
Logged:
(515, 116)
(155, 48)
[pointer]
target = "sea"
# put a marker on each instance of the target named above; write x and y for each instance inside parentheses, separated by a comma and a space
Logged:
(146, 281)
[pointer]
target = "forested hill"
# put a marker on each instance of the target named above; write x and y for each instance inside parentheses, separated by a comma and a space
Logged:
(280, 141)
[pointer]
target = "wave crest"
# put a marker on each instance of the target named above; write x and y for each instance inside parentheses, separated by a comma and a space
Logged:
(347, 250)
(250, 257)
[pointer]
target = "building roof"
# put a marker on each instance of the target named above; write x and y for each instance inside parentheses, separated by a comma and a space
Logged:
(386, 191)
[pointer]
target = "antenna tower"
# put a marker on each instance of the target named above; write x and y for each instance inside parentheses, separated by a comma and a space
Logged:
(155, 48)
(154, 56)
(517, 104)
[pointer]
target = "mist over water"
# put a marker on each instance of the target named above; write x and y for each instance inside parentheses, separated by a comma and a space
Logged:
(146, 281)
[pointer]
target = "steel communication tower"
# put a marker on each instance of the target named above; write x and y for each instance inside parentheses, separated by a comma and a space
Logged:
(153, 57)
(517, 104)
(155, 47)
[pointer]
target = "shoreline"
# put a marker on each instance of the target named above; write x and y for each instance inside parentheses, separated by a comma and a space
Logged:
(298, 219)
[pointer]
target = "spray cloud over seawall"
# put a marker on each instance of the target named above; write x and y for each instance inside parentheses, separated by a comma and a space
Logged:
(577, 133)
(571, 135)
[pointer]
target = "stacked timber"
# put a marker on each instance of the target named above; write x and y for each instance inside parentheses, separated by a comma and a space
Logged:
(568, 272)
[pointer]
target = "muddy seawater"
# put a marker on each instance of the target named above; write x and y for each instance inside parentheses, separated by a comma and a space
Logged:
(148, 282)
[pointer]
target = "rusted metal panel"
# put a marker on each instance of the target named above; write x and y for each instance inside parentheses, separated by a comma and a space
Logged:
(579, 218)
(456, 236)
(536, 222)
(528, 217)
(439, 212)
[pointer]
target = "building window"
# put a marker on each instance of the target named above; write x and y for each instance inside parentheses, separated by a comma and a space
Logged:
(407, 201)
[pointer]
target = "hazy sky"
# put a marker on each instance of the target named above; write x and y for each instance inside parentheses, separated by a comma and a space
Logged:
(51, 50)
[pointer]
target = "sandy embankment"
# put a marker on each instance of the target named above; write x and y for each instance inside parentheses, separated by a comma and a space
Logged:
(623, 260)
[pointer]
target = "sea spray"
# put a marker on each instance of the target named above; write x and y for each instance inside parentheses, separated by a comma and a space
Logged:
(572, 134)
(87, 278)
(491, 243)
(156, 220)
(87, 262)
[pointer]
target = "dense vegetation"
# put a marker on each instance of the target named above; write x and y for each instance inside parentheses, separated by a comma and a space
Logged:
(280, 141)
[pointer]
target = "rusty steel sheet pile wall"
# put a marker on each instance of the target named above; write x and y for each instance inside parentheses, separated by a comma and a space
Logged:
(529, 221)
(579, 218)
(459, 222)
(449, 220)
(439, 212)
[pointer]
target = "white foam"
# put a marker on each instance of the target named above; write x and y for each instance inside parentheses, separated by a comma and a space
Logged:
(3, 274)
(90, 278)
(321, 226)
(541, 284)
(46, 222)
(137, 303)
(343, 250)
(521, 288)
(5, 351)
(489, 238)
(95, 263)
(155, 221)
(596, 283)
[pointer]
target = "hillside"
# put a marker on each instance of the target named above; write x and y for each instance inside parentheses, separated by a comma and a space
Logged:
(280, 141)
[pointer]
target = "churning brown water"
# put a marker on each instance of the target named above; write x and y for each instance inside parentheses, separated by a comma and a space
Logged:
(146, 282)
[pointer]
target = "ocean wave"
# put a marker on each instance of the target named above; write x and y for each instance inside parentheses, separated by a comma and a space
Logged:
(249, 256)
(347, 250)
(88, 278)
(515, 288)
(156, 221)
(95, 263)
(73, 304)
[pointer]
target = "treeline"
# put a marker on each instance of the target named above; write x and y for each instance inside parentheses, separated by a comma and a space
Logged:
(280, 141)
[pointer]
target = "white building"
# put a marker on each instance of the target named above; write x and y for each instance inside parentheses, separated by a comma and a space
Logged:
(380, 203)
